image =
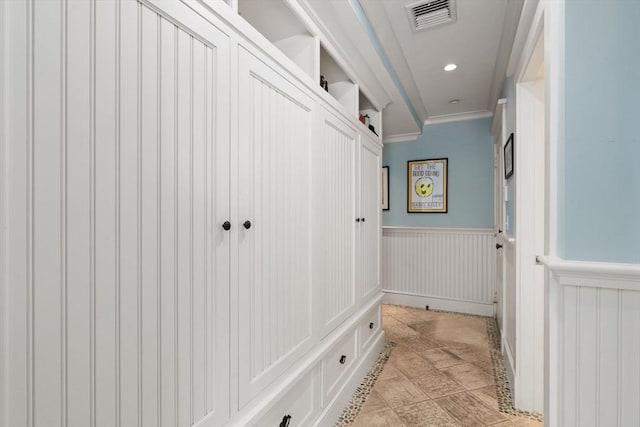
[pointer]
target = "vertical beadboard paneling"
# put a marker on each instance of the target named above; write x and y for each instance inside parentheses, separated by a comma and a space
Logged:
(449, 264)
(609, 347)
(598, 348)
(629, 359)
(116, 272)
(588, 352)
(274, 299)
(128, 215)
(149, 134)
(334, 216)
(184, 230)
(106, 173)
(18, 355)
(570, 333)
(200, 232)
(77, 221)
(168, 224)
(47, 186)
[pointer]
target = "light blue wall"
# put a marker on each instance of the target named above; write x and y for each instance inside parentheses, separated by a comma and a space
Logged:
(509, 92)
(469, 147)
(601, 199)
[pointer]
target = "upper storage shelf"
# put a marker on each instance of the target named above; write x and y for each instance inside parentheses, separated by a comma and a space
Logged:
(367, 112)
(278, 24)
(339, 85)
(284, 24)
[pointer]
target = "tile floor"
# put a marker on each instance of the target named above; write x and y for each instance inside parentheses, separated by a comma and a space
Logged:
(439, 374)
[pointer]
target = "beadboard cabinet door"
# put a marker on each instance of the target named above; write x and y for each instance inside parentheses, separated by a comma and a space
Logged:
(335, 209)
(274, 221)
(370, 227)
(118, 277)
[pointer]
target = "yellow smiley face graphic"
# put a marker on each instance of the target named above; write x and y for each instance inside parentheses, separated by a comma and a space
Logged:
(424, 187)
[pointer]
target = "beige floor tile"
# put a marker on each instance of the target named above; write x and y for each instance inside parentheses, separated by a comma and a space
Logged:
(407, 318)
(468, 410)
(449, 384)
(437, 385)
(390, 309)
(473, 353)
(374, 403)
(417, 343)
(399, 391)
(488, 395)
(427, 314)
(386, 418)
(389, 321)
(401, 349)
(396, 332)
(425, 414)
(412, 365)
(485, 365)
(424, 326)
(469, 375)
(441, 357)
(447, 342)
(389, 371)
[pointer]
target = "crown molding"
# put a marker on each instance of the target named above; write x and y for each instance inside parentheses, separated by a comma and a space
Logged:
(458, 117)
(402, 137)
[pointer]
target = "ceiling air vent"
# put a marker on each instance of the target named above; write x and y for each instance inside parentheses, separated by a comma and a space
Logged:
(429, 14)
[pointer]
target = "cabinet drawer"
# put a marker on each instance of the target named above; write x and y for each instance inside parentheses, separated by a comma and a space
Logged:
(369, 327)
(300, 403)
(337, 363)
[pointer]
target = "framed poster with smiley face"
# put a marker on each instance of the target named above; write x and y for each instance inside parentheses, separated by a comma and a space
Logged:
(427, 186)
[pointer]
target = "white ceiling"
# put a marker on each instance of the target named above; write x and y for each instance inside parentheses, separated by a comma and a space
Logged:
(479, 42)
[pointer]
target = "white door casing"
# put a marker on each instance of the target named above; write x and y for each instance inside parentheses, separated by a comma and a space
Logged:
(530, 165)
(499, 188)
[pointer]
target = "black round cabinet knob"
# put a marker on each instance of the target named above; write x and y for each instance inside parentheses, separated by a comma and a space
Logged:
(247, 224)
(226, 226)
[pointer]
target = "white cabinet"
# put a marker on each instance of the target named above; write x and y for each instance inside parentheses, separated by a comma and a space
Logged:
(336, 364)
(274, 241)
(370, 217)
(126, 309)
(194, 228)
(346, 218)
(335, 207)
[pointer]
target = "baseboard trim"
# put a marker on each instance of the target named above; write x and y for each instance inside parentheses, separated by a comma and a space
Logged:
(420, 301)
(332, 412)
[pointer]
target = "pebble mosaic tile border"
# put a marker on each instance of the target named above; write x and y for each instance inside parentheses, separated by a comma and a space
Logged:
(503, 390)
(364, 389)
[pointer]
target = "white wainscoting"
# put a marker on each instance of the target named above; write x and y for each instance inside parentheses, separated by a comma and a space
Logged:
(592, 328)
(445, 268)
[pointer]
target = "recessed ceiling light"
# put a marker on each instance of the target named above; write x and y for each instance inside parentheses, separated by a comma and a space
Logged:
(454, 101)
(450, 67)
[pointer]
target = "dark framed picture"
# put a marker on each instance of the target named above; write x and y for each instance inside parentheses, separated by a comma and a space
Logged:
(508, 157)
(427, 186)
(385, 188)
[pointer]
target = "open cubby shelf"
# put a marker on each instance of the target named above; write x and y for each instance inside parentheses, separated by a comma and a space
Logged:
(280, 24)
(372, 115)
